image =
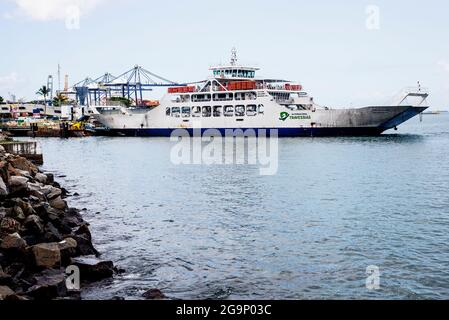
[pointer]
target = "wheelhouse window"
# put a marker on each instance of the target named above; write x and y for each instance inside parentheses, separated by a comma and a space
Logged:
(261, 109)
(168, 112)
(239, 111)
(196, 112)
(176, 112)
(186, 112)
(207, 112)
(217, 111)
(229, 111)
(251, 110)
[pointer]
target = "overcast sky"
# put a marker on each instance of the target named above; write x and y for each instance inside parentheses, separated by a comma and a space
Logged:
(351, 54)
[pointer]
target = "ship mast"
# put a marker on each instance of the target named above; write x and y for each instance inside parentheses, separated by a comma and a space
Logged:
(234, 57)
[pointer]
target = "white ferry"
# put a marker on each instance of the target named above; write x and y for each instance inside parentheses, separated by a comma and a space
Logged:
(233, 98)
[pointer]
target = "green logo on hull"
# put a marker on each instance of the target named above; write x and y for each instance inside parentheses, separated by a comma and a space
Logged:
(284, 116)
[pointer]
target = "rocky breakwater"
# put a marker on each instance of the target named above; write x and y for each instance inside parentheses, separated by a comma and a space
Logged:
(41, 238)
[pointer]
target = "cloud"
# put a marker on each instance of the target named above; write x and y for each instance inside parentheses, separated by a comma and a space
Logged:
(44, 10)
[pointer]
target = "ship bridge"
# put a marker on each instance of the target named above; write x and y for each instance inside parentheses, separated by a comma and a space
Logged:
(234, 71)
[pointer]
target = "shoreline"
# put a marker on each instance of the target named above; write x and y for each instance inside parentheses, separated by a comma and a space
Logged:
(46, 248)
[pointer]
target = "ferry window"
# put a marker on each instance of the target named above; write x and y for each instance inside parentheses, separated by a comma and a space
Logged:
(168, 112)
(250, 96)
(251, 110)
(207, 112)
(239, 111)
(229, 111)
(196, 112)
(201, 97)
(261, 109)
(234, 73)
(217, 111)
(176, 112)
(222, 97)
(186, 112)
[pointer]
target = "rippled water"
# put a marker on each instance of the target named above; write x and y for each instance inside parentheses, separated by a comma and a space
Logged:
(336, 206)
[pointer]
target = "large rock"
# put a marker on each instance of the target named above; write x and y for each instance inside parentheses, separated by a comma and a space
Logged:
(26, 207)
(54, 193)
(47, 255)
(21, 163)
(5, 292)
(85, 246)
(18, 184)
(13, 242)
(52, 234)
(34, 224)
(72, 218)
(58, 203)
(42, 178)
(68, 250)
(9, 225)
(50, 178)
(49, 284)
(93, 269)
(154, 294)
(17, 213)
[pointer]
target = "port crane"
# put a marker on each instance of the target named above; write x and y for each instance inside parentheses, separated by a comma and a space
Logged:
(130, 85)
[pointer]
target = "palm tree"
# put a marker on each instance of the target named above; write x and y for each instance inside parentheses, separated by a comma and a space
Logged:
(44, 91)
(59, 100)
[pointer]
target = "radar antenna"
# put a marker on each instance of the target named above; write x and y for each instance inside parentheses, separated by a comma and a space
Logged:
(234, 57)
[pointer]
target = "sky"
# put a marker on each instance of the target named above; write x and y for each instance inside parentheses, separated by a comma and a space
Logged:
(345, 53)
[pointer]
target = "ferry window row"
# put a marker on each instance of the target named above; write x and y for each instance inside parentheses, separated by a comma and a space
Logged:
(228, 96)
(251, 110)
(235, 73)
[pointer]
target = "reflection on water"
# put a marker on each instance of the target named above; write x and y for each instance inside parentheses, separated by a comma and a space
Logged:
(336, 206)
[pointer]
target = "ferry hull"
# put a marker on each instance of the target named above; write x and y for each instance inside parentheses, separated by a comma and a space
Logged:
(355, 122)
(281, 132)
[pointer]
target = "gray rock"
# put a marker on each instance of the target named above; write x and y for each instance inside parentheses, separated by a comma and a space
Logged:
(34, 224)
(42, 178)
(54, 193)
(17, 183)
(58, 203)
(52, 234)
(93, 269)
(50, 178)
(49, 284)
